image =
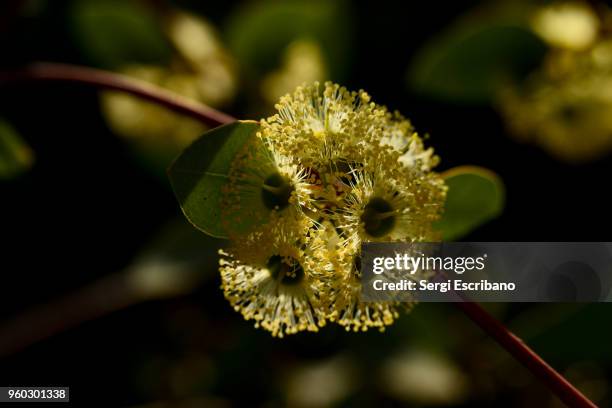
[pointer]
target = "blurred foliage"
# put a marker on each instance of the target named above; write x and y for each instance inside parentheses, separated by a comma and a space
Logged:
(546, 67)
(302, 62)
(176, 261)
(471, 59)
(572, 25)
(15, 155)
(114, 32)
(282, 44)
(260, 31)
(155, 132)
(328, 382)
(279, 45)
(176, 50)
(564, 105)
(425, 377)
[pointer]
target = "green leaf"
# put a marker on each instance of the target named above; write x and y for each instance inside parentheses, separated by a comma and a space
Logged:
(115, 33)
(470, 61)
(260, 31)
(200, 172)
(475, 196)
(15, 155)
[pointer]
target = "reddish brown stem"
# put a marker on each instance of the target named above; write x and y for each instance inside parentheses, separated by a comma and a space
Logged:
(53, 72)
(569, 394)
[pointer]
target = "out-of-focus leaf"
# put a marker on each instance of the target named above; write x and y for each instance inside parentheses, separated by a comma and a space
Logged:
(15, 155)
(469, 61)
(259, 32)
(200, 172)
(155, 134)
(475, 196)
(112, 33)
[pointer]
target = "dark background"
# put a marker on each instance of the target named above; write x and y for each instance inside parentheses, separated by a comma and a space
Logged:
(87, 206)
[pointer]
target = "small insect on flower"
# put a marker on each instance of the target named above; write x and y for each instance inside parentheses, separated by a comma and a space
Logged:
(330, 171)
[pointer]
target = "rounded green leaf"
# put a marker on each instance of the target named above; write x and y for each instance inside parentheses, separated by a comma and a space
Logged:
(470, 61)
(15, 155)
(113, 33)
(200, 172)
(475, 196)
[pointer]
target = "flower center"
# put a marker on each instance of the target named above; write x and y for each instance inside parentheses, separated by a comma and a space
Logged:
(378, 217)
(285, 270)
(276, 192)
(569, 112)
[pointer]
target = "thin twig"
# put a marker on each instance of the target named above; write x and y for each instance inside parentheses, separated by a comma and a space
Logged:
(569, 394)
(52, 72)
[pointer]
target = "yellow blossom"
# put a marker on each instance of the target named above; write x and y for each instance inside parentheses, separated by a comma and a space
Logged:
(330, 171)
(271, 278)
(342, 302)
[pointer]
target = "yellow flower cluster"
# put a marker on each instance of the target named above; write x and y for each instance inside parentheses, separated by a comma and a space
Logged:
(330, 171)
